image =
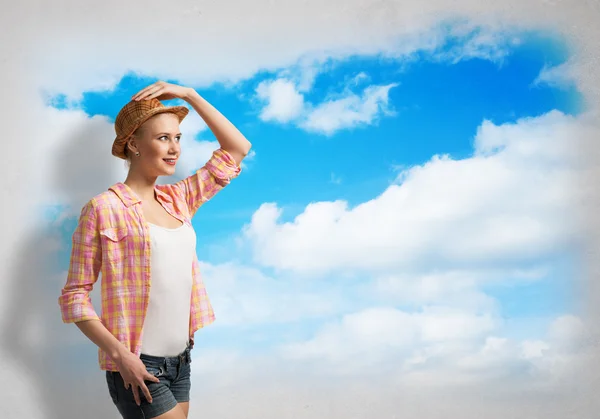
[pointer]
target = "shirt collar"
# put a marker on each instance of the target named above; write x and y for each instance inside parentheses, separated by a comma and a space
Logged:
(129, 197)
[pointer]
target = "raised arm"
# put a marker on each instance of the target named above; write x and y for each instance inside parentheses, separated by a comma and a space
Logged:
(223, 166)
(228, 136)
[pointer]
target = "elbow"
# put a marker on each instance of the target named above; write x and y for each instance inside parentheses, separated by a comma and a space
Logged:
(240, 151)
(245, 149)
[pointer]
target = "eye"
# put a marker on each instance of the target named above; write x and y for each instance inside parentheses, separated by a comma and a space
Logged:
(164, 137)
(178, 138)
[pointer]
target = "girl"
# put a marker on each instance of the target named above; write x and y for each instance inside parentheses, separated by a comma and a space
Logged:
(139, 236)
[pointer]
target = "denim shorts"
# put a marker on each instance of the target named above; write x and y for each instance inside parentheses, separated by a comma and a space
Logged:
(174, 386)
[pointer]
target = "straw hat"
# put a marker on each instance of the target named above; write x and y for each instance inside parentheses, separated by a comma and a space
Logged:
(134, 114)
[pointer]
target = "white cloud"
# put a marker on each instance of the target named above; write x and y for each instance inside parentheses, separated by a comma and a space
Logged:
(382, 337)
(243, 295)
(458, 288)
(305, 71)
(361, 77)
(350, 111)
(562, 75)
(358, 339)
(534, 348)
(194, 154)
(492, 42)
(437, 348)
(284, 102)
(569, 332)
(505, 205)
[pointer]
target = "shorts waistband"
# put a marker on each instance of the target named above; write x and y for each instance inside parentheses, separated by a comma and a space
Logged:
(183, 355)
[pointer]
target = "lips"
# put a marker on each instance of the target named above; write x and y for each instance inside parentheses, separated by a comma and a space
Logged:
(170, 161)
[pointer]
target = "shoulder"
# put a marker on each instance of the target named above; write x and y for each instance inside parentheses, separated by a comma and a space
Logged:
(106, 201)
(106, 198)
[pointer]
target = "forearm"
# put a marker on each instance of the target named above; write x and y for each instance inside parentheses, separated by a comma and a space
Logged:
(97, 333)
(228, 136)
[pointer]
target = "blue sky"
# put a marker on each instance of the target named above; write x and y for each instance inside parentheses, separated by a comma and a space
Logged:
(437, 108)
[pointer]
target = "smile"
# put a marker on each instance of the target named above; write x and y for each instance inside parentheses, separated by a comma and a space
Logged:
(171, 161)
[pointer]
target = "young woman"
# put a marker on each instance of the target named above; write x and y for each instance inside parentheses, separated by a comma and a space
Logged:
(138, 235)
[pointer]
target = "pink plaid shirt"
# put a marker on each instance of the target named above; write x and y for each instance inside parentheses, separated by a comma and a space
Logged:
(112, 238)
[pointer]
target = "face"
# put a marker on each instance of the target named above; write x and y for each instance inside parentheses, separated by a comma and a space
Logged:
(157, 141)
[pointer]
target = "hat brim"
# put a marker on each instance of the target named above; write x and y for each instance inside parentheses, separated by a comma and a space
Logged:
(118, 147)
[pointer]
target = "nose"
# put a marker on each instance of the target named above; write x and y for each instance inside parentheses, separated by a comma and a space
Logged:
(174, 147)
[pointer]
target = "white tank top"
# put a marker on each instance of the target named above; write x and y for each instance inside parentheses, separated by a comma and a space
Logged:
(166, 326)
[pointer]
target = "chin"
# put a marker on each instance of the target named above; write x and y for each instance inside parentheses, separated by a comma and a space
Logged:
(168, 172)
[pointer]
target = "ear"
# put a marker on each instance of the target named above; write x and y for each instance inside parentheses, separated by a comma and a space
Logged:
(132, 145)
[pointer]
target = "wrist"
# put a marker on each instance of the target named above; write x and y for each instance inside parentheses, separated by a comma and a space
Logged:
(190, 93)
(117, 353)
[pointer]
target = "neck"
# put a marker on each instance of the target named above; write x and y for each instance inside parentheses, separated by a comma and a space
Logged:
(143, 186)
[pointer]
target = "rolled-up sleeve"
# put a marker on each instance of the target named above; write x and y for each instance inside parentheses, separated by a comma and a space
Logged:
(217, 173)
(84, 268)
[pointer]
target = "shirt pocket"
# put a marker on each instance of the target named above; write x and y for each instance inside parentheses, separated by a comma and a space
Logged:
(114, 243)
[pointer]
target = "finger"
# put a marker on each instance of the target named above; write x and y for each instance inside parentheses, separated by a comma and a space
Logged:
(145, 90)
(146, 393)
(150, 94)
(152, 378)
(141, 92)
(154, 94)
(136, 394)
(141, 95)
(153, 86)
